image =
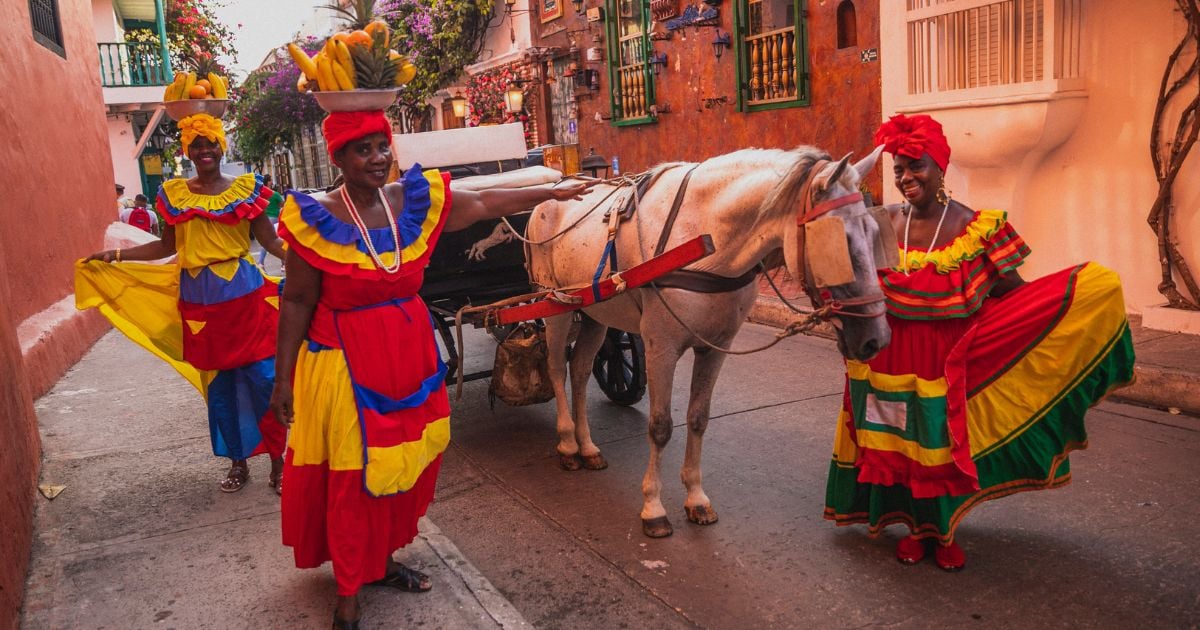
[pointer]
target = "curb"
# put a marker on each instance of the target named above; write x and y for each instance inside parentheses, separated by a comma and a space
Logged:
(490, 599)
(1153, 386)
(1163, 388)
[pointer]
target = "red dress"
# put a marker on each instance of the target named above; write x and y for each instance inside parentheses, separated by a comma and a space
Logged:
(372, 417)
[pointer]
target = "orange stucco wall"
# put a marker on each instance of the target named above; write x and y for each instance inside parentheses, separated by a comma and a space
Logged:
(58, 199)
(843, 113)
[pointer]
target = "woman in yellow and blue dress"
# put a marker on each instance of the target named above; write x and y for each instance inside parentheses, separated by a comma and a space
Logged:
(213, 315)
(983, 389)
(361, 381)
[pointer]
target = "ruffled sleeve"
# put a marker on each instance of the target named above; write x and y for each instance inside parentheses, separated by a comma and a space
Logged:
(334, 246)
(245, 199)
(953, 281)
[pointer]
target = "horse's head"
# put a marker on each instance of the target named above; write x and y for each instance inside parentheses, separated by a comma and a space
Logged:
(834, 245)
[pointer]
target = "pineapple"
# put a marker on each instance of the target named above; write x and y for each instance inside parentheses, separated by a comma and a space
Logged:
(358, 16)
(374, 68)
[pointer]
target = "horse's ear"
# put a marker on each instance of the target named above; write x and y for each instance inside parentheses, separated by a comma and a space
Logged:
(831, 173)
(865, 165)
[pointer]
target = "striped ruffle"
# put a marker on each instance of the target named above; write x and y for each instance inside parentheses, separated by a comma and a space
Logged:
(335, 246)
(953, 281)
(246, 198)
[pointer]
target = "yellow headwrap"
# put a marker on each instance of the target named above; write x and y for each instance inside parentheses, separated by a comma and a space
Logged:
(201, 125)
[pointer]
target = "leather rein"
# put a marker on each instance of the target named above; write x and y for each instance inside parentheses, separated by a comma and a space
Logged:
(822, 299)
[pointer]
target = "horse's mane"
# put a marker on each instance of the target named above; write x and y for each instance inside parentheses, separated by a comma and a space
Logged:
(784, 196)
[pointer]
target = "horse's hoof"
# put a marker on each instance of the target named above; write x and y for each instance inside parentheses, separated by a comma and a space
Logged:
(657, 527)
(569, 463)
(595, 462)
(701, 514)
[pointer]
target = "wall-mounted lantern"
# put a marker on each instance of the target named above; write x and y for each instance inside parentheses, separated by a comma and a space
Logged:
(657, 61)
(578, 4)
(720, 43)
(459, 104)
(514, 96)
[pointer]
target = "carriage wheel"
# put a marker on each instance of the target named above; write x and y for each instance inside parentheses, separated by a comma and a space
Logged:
(447, 334)
(620, 367)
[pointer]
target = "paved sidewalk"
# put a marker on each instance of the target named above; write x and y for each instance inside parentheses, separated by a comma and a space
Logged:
(1167, 368)
(141, 537)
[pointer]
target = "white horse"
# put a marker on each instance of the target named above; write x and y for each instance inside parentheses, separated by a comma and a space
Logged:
(748, 202)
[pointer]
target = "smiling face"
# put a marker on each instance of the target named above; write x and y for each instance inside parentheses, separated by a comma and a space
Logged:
(205, 153)
(918, 180)
(366, 161)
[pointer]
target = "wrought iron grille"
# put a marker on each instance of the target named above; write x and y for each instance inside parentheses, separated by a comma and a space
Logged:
(47, 28)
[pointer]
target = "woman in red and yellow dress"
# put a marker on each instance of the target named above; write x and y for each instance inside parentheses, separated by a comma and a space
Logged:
(361, 381)
(983, 389)
(212, 315)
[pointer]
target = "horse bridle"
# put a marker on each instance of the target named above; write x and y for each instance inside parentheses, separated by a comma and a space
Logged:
(822, 299)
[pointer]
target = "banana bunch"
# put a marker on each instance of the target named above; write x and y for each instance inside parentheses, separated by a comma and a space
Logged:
(357, 60)
(187, 85)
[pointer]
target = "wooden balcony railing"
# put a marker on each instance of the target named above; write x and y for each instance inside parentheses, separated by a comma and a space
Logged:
(132, 64)
(630, 99)
(772, 66)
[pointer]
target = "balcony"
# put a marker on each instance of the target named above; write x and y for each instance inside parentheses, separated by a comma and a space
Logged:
(132, 74)
(133, 64)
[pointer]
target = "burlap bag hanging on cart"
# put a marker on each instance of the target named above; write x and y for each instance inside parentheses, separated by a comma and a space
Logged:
(521, 375)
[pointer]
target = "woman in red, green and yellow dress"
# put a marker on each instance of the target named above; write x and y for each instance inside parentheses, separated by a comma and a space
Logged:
(361, 381)
(983, 389)
(213, 314)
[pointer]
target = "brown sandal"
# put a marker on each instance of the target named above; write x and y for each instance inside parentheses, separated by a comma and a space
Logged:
(276, 481)
(236, 479)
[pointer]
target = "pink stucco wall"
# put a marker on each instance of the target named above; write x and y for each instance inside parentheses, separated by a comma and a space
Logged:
(58, 200)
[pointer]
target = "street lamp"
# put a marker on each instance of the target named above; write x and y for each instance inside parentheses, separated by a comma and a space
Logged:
(459, 104)
(514, 96)
(720, 43)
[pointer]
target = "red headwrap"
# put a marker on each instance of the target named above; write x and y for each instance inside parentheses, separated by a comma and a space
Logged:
(914, 136)
(341, 128)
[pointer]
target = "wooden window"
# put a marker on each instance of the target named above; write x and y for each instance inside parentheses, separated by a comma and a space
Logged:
(772, 53)
(631, 82)
(847, 25)
(982, 43)
(47, 27)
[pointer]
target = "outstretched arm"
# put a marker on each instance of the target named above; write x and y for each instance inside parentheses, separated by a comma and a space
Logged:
(470, 206)
(1007, 282)
(153, 250)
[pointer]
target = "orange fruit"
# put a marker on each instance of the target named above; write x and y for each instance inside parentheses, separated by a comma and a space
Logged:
(341, 37)
(359, 38)
(197, 91)
(379, 26)
(206, 84)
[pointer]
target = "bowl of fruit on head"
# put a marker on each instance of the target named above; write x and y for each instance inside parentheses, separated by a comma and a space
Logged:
(202, 90)
(355, 70)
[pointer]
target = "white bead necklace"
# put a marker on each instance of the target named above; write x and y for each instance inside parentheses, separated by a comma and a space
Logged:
(937, 232)
(387, 210)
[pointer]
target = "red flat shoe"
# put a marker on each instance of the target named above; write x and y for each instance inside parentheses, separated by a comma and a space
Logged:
(910, 550)
(950, 557)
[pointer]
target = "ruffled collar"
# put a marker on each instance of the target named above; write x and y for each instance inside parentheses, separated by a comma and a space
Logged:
(176, 200)
(968, 245)
(409, 222)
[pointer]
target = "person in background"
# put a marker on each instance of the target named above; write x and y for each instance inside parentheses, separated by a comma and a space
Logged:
(139, 216)
(211, 314)
(123, 202)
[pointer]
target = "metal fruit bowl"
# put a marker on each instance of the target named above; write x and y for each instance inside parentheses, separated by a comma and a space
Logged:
(178, 110)
(356, 100)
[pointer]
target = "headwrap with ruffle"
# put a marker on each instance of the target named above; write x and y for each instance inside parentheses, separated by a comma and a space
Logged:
(205, 125)
(341, 128)
(914, 136)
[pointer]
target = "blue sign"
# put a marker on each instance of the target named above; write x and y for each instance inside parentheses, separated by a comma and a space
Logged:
(572, 127)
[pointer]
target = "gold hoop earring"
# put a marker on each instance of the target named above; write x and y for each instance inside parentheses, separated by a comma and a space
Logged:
(942, 196)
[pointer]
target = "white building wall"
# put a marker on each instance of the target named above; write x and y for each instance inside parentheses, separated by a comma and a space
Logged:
(1077, 180)
(121, 142)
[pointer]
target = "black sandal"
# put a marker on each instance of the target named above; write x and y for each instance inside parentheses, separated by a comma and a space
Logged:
(342, 624)
(405, 579)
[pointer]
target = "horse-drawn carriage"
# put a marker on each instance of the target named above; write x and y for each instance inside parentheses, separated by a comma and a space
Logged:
(485, 263)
